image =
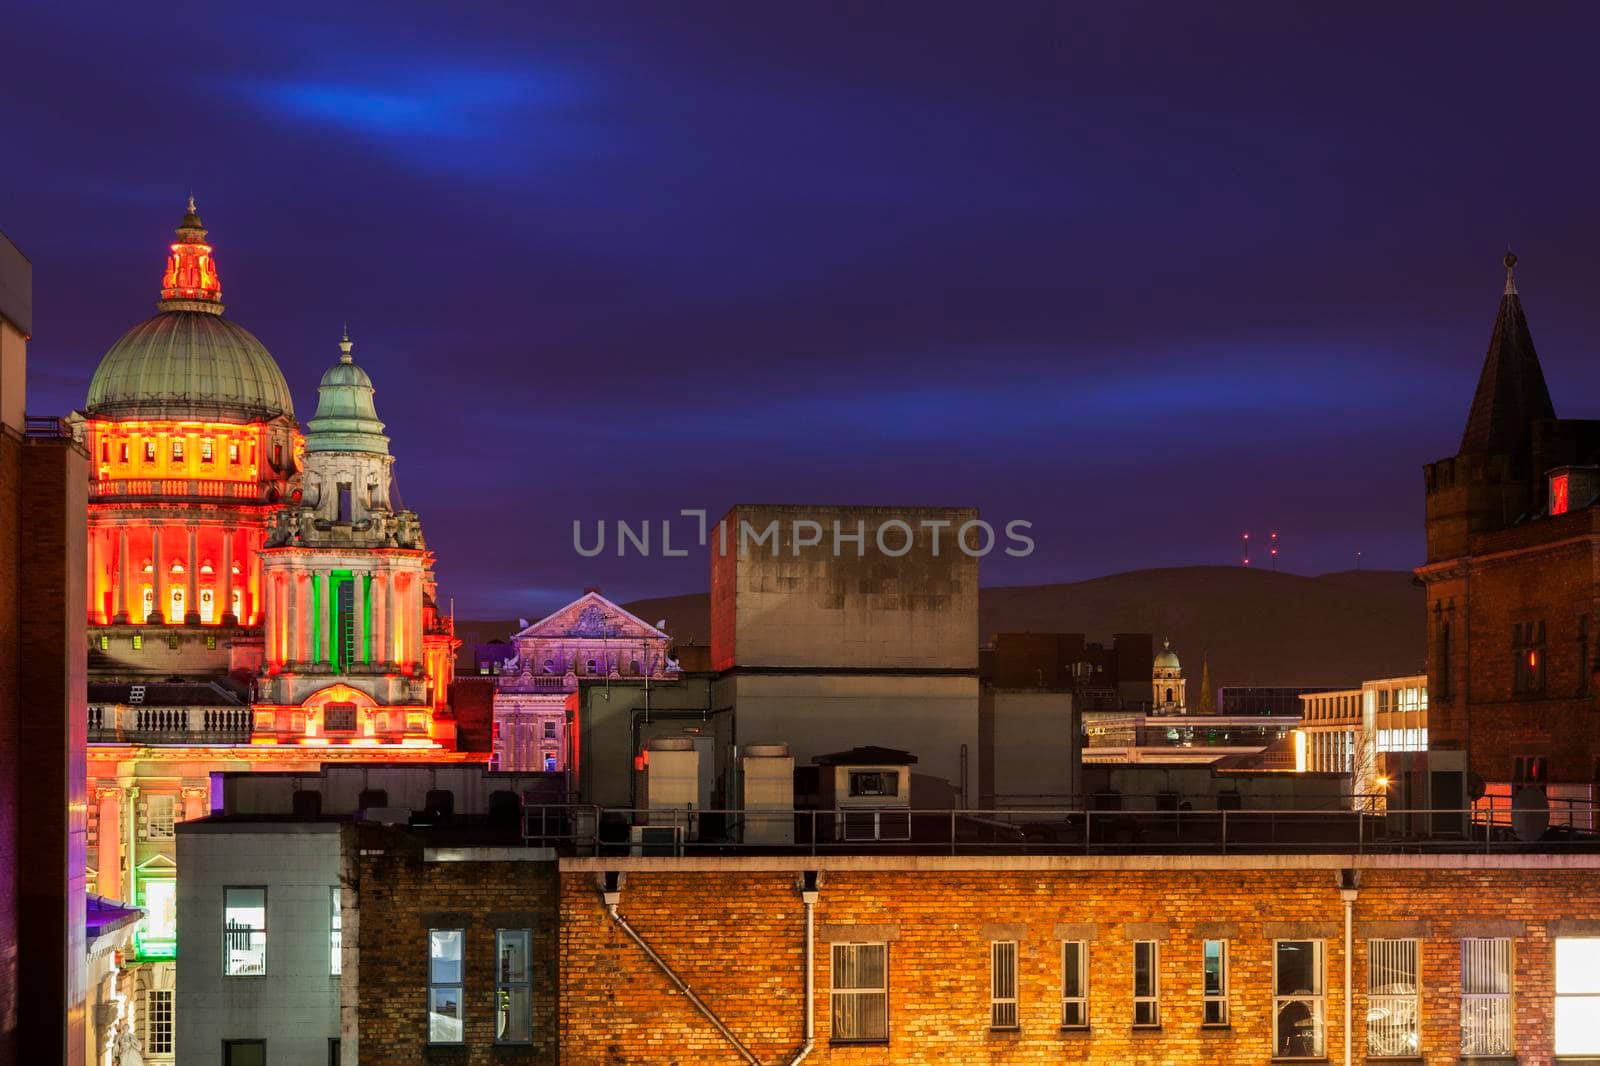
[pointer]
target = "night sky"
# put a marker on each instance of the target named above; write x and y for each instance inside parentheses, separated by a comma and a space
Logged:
(1143, 274)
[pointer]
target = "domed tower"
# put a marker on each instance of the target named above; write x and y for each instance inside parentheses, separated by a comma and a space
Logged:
(1166, 682)
(192, 442)
(354, 651)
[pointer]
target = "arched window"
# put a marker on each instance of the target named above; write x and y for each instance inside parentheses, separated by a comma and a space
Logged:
(549, 666)
(592, 667)
(1169, 695)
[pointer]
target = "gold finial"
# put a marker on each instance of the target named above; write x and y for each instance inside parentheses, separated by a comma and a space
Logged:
(1511, 271)
(345, 345)
(191, 203)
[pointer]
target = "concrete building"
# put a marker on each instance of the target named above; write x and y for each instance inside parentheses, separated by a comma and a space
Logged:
(1511, 586)
(590, 637)
(1365, 733)
(43, 500)
(840, 627)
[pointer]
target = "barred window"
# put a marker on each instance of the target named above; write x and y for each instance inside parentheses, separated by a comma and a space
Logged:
(1146, 984)
(1392, 999)
(860, 975)
(1003, 984)
(1074, 984)
(1214, 958)
(1486, 996)
(1297, 999)
(158, 1021)
(244, 931)
(1578, 996)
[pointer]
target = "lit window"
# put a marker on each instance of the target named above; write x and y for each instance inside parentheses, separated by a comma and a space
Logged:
(138, 642)
(233, 452)
(1392, 999)
(513, 986)
(158, 1021)
(105, 642)
(1558, 496)
(1297, 999)
(1074, 984)
(1578, 996)
(159, 930)
(550, 729)
(177, 449)
(177, 566)
(445, 1020)
(1003, 984)
(205, 450)
(149, 451)
(1146, 984)
(1486, 996)
(1215, 963)
(860, 992)
(207, 607)
(122, 452)
(244, 932)
(549, 762)
(335, 934)
(176, 596)
(159, 814)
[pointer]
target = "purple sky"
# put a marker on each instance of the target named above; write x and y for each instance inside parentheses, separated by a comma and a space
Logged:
(1143, 274)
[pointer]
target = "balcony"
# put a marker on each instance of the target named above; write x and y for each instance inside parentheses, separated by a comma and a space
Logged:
(177, 488)
(169, 725)
(553, 683)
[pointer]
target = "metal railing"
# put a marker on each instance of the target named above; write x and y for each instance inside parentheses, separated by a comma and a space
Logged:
(1061, 830)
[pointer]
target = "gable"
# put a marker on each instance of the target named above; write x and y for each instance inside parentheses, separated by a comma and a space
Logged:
(593, 616)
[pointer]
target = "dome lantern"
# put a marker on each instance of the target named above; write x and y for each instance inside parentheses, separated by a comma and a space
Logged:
(191, 282)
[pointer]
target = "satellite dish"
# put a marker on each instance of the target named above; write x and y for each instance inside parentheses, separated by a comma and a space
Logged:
(1530, 813)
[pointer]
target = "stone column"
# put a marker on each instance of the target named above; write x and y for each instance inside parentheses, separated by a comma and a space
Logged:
(191, 598)
(108, 855)
(329, 613)
(391, 623)
(158, 572)
(97, 603)
(291, 621)
(130, 827)
(225, 613)
(379, 651)
(359, 611)
(196, 803)
(121, 615)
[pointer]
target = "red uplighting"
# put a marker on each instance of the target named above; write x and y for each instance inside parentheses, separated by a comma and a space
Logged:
(1558, 494)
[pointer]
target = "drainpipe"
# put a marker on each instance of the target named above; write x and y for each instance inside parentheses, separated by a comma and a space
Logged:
(1348, 882)
(808, 893)
(612, 894)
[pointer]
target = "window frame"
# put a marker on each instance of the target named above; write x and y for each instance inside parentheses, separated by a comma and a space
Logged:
(504, 987)
(160, 828)
(1081, 973)
(1150, 999)
(1219, 998)
(887, 781)
(335, 932)
(1586, 998)
(1390, 950)
(229, 1045)
(459, 985)
(835, 991)
(153, 1017)
(1500, 1003)
(1004, 1007)
(1317, 1000)
(226, 930)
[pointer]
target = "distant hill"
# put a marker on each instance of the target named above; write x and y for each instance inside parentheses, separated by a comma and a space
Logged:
(1255, 626)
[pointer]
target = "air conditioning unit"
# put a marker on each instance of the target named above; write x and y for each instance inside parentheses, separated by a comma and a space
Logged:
(660, 840)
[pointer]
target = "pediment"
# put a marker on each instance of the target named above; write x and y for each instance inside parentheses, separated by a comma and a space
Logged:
(591, 616)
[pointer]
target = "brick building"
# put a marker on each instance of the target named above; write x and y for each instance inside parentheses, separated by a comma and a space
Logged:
(1512, 536)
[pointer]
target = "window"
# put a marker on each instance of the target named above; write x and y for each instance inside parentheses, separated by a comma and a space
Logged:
(1529, 770)
(1583, 655)
(1297, 993)
(1003, 984)
(1392, 999)
(1146, 984)
(550, 729)
(137, 641)
(149, 451)
(206, 454)
(874, 783)
(233, 452)
(244, 1053)
(513, 987)
(177, 449)
(122, 452)
(244, 932)
(1074, 984)
(549, 762)
(1486, 997)
(105, 642)
(335, 931)
(1214, 962)
(158, 817)
(445, 1020)
(158, 1021)
(860, 975)
(339, 718)
(1578, 996)
(277, 456)
(333, 1051)
(344, 501)
(1527, 651)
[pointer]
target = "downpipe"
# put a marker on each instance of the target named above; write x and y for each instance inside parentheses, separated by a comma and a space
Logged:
(612, 895)
(808, 894)
(1349, 880)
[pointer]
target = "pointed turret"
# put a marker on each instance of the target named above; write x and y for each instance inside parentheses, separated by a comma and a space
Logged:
(1511, 393)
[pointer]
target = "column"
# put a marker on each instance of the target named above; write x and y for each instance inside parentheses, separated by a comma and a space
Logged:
(196, 802)
(108, 856)
(191, 598)
(414, 618)
(391, 625)
(329, 613)
(158, 572)
(130, 838)
(97, 603)
(380, 652)
(225, 608)
(301, 613)
(121, 614)
(359, 611)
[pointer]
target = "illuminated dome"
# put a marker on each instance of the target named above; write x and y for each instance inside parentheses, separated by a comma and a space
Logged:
(188, 361)
(1167, 659)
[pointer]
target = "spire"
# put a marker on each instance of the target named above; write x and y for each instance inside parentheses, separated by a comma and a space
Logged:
(191, 282)
(1511, 392)
(345, 346)
(1208, 698)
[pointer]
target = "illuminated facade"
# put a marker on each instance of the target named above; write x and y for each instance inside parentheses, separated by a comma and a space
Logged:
(1167, 689)
(589, 637)
(355, 651)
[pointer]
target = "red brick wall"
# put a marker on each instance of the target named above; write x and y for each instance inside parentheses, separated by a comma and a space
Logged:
(10, 720)
(735, 936)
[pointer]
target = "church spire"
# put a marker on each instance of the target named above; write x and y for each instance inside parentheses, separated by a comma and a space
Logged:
(1511, 393)
(191, 282)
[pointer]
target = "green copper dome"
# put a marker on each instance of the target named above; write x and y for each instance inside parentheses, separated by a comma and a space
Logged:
(189, 364)
(346, 420)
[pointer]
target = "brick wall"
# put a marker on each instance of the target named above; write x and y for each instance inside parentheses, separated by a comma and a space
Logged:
(399, 897)
(10, 716)
(734, 932)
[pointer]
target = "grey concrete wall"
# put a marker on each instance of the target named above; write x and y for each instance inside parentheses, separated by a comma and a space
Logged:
(1035, 747)
(295, 1007)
